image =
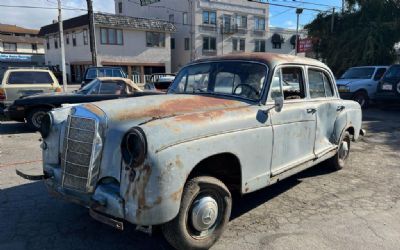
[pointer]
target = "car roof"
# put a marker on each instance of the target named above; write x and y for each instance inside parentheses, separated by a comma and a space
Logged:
(270, 59)
(29, 70)
(125, 80)
(104, 67)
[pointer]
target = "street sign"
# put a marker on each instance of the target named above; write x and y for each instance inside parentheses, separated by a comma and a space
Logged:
(148, 2)
(305, 45)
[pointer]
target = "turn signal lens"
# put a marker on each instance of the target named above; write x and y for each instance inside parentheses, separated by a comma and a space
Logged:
(58, 89)
(2, 94)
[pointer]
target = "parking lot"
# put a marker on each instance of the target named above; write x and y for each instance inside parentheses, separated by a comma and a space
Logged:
(355, 208)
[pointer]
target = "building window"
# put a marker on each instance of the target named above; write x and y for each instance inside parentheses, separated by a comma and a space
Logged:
(185, 18)
(111, 36)
(242, 45)
(238, 44)
(171, 18)
(209, 17)
(67, 38)
(85, 37)
(172, 43)
(55, 42)
(259, 46)
(155, 39)
(276, 45)
(10, 47)
(209, 43)
(120, 7)
(187, 43)
(259, 23)
(34, 47)
(241, 22)
(47, 43)
(74, 39)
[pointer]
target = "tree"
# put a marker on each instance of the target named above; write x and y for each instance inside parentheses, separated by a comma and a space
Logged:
(363, 35)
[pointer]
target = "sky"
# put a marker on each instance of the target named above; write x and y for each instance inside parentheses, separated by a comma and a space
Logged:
(35, 18)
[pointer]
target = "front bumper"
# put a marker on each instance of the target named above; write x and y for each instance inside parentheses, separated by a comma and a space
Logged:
(15, 113)
(346, 95)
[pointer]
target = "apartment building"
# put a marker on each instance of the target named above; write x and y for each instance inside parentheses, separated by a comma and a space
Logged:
(214, 27)
(20, 47)
(140, 46)
(205, 27)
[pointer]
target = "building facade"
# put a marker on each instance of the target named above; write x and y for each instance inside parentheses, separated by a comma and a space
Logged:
(20, 47)
(214, 27)
(140, 46)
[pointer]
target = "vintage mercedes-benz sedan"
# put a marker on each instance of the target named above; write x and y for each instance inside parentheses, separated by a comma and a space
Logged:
(234, 123)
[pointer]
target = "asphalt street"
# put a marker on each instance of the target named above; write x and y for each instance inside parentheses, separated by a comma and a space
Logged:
(355, 208)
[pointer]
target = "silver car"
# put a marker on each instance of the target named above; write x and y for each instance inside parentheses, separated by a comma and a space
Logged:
(230, 124)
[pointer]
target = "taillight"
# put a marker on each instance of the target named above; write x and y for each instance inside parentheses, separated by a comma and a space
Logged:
(2, 94)
(58, 89)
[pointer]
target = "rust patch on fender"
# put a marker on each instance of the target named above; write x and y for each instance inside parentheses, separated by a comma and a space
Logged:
(176, 196)
(94, 109)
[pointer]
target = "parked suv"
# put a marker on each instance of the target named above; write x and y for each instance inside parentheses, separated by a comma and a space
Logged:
(234, 123)
(359, 83)
(17, 83)
(92, 73)
(388, 90)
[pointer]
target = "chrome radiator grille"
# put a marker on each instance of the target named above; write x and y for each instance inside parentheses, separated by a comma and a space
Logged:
(77, 160)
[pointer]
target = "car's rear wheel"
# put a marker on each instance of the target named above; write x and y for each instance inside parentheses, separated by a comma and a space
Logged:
(34, 119)
(362, 98)
(204, 212)
(339, 160)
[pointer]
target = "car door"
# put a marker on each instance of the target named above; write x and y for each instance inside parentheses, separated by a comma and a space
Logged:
(294, 126)
(371, 88)
(327, 105)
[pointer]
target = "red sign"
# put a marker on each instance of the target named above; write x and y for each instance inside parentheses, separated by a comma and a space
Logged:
(305, 45)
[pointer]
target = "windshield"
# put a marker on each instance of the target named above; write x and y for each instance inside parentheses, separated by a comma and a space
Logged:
(103, 72)
(233, 78)
(88, 87)
(393, 72)
(358, 73)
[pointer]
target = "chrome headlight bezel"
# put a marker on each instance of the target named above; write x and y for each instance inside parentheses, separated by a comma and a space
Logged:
(134, 147)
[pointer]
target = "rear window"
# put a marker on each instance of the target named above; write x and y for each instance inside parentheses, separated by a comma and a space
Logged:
(103, 72)
(29, 77)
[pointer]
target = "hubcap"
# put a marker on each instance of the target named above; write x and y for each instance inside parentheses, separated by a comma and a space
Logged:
(204, 213)
(360, 99)
(344, 150)
(398, 88)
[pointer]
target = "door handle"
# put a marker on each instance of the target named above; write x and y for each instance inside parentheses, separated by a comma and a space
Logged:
(311, 110)
(340, 108)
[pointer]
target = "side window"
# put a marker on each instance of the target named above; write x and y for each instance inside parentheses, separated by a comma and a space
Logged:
(112, 88)
(292, 83)
(91, 74)
(319, 84)
(379, 73)
(116, 73)
(225, 82)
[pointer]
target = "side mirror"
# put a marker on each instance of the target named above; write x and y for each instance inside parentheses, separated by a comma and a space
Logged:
(278, 103)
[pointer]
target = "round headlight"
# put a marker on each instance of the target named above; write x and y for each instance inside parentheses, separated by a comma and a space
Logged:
(134, 147)
(46, 125)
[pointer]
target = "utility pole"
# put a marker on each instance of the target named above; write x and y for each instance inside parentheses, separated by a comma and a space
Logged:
(333, 20)
(298, 12)
(92, 36)
(61, 29)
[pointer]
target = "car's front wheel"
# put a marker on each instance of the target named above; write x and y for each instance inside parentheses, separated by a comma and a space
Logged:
(339, 160)
(204, 212)
(35, 116)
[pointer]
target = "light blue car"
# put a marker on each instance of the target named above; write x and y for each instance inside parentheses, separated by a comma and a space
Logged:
(360, 83)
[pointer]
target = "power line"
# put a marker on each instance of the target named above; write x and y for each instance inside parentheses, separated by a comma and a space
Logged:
(309, 3)
(40, 7)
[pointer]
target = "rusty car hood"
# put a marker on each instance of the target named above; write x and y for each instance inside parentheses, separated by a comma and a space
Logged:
(148, 108)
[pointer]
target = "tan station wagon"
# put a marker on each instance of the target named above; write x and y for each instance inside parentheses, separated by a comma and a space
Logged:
(23, 82)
